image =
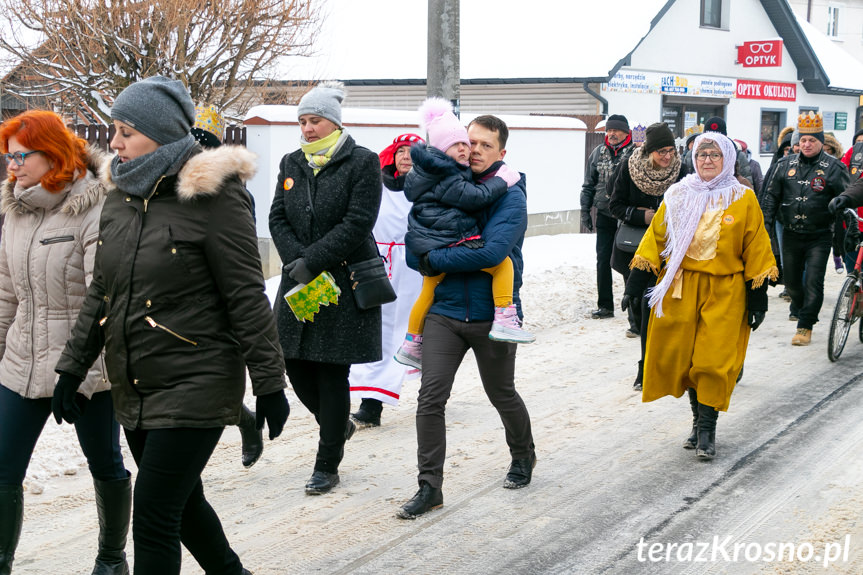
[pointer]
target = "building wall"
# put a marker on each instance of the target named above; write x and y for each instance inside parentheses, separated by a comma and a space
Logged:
(850, 29)
(526, 99)
(714, 59)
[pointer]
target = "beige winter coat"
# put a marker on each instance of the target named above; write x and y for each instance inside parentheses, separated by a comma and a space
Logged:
(47, 252)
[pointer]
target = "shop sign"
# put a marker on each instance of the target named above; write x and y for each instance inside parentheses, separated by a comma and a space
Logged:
(841, 121)
(764, 54)
(634, 82)
(754, 90)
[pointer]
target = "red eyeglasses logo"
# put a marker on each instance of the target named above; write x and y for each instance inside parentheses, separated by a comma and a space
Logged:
(767, 53)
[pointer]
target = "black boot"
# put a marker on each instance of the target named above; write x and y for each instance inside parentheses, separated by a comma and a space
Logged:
(114, 507)
(706, 447)
(252, 438)
(369, 413)
(639, 378)
(426, 499)
(11, 515)
(692, 441)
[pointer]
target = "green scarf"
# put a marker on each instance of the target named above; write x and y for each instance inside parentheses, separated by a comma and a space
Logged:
(319, 152)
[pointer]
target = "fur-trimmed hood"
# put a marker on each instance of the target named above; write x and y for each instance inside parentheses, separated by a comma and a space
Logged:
(786, 131)
(204, 172)
(85, 193)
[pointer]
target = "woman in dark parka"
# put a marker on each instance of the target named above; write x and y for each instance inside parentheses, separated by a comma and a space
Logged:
(177, 301)
(326, 201)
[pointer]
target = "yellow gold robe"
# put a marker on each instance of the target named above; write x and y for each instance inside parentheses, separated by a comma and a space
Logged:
(700, 341)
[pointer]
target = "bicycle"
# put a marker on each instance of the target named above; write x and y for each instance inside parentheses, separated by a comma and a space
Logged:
(849, 304)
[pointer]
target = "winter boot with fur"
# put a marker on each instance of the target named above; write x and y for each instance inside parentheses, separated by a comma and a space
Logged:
(114, 506)
(706, 447)
(252, 438)
(11, 515)
(692, 441)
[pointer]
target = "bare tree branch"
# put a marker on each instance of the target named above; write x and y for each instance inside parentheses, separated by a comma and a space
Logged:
(87, 51)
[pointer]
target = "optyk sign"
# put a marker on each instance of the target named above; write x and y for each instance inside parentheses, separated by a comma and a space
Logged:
(760, 54)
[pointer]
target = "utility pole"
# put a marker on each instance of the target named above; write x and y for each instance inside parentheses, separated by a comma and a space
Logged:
(443, 70)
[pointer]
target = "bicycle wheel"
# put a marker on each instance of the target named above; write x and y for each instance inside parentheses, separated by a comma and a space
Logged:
(861, 331)
(843, 317)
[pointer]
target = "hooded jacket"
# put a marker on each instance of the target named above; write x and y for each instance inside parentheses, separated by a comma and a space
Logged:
(465, 293)
(46, 262)
(445, 200)
(177, 299)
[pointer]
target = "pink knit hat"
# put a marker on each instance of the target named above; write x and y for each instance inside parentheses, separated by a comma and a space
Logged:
(441, 125)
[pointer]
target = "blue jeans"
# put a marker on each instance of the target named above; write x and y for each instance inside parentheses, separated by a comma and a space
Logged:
(21, 424)
(809, 252)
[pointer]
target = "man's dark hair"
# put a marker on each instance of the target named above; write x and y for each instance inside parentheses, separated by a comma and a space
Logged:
(494, 124)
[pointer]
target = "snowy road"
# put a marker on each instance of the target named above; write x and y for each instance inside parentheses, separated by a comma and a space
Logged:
(611, 470)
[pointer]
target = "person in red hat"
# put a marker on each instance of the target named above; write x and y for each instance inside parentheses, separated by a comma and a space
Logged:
(381, 382)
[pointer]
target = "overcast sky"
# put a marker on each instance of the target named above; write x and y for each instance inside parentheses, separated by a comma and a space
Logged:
(364, 39)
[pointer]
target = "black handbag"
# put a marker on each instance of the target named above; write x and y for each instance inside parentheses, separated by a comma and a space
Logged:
(369, 283)
(628, 237)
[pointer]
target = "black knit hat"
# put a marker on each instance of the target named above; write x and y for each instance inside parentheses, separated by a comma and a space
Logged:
(617, 122)
(716, 124)
(658, 136)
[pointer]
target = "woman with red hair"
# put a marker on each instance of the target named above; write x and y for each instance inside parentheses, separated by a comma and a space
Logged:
(52, 201)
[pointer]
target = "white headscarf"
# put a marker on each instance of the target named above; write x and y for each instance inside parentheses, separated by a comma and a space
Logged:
(685, 203)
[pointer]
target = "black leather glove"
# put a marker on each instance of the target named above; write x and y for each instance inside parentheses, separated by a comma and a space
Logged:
(67, 403)
(755, 318)
(298, 271)
(586, 220)
(630, 301)
(274, 409)
(839, 203)
(473, 244)
(425, 266)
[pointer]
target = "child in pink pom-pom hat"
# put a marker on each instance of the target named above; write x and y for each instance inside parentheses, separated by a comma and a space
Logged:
(445, 201)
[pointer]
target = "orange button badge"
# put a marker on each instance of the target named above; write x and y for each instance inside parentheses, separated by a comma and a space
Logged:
(728, 219)
(289, 183)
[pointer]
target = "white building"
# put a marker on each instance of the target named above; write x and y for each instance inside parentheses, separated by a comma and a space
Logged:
(751, 62)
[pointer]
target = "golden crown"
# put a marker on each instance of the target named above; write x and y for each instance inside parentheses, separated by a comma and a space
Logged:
(810, 123)
(209, 119)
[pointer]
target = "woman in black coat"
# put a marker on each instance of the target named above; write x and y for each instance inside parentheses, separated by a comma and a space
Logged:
(326, 201)
(177, 301)
(641, 181)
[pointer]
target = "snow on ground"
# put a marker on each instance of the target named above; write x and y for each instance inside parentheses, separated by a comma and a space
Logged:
(551, 263)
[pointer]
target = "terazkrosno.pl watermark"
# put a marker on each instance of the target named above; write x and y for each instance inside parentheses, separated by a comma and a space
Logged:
(723, 550)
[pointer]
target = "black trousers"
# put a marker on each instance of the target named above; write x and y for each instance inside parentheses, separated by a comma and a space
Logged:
(324, 389)
(606, 228)
(445, 343)
(169, 503)
(808, 252)
(22, 421)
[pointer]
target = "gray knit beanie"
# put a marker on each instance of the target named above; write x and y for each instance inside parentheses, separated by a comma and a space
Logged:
(158, 107)
(324, 100)
(795, 137)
